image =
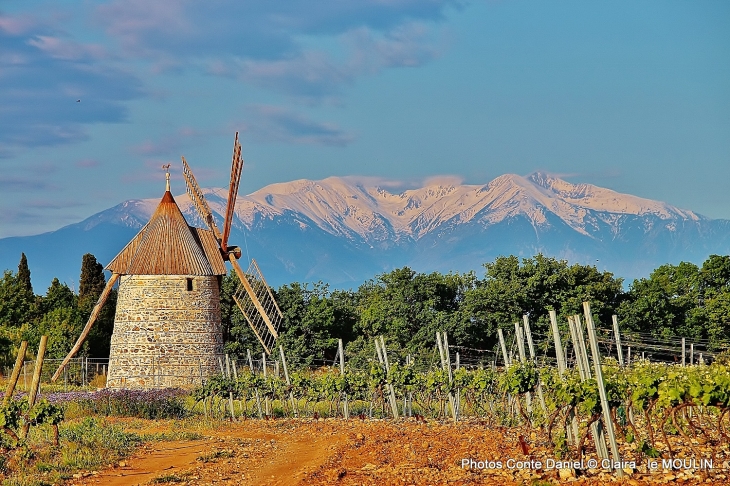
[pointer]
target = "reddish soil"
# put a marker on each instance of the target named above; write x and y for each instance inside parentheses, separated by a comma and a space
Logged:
(358, 452)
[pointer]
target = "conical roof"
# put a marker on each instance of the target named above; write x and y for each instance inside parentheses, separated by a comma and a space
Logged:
(166, 245)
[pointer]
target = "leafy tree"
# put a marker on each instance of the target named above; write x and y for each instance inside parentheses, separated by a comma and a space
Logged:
(58, 296)
(408, 307)
(714, 275)
(715, 298)
(314, 319)
(17, 305)
(18, 309)
(717, 312)
(533, 287)
(62, 326)
(667, 303)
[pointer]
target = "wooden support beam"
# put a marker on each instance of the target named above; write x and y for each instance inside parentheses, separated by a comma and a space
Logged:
(92, 319)
(16, 372)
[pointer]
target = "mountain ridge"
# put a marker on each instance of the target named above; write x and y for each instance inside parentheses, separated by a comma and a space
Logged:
(347, 230)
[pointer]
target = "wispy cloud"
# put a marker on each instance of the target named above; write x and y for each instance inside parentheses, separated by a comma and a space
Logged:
(66, 49)
(443, 180)
(261, 42)
(275, 124)
(43, 74)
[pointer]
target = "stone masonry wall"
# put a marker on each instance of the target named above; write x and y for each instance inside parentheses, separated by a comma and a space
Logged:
(165, 335)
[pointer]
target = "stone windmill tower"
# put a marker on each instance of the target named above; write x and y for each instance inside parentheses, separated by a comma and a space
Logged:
(167, 326)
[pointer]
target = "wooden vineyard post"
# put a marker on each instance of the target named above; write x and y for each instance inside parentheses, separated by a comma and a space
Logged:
(617, 335)
(573, 419)
(408, 397)
(585, 374)
(458, 391)
(16, 373)
(256, 389)
(383, 357)
(341, 350)
(288, 381)
(519, 335)
(582, 345)
(445, 366)
(33, 392)
(520, 342)
(628, 356)
(202, 382)
(559, 355)
(266, 397)
(528, 335)
(454, 405)
(234, 368)
(504, 348)
(531, 347)
(684, 352)
(601, 387)
(692, 353)
(571, 432)
(230, 392)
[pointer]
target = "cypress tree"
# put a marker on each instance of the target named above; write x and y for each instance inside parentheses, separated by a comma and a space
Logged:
(23, 276)
(91, 285)
(92, 281)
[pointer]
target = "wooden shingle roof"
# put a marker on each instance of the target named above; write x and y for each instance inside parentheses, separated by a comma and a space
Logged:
(166, 245)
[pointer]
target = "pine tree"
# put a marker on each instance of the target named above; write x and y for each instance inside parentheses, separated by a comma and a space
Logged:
(23, 276)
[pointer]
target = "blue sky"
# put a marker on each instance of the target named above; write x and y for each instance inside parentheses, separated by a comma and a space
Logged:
(634, 96)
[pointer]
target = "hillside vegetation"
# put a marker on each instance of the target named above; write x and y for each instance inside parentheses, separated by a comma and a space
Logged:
(404, 306)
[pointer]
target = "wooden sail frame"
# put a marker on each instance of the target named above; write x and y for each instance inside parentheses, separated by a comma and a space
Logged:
(253, 296)
(258, 305)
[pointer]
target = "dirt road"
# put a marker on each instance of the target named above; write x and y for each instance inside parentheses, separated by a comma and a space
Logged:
(355, 452)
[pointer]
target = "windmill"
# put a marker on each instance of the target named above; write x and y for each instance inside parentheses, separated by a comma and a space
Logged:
(167, 325)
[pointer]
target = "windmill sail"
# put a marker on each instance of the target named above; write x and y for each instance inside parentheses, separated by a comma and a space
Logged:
(258, 306)
(253, 296)
(236, 167)
(198, 200)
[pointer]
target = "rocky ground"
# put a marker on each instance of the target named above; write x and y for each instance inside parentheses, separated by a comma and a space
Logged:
(372, 452)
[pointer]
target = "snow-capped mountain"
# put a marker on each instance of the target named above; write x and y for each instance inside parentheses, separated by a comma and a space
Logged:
(344, 231)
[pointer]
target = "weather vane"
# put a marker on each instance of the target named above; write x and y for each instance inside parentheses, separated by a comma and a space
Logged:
(167, 177)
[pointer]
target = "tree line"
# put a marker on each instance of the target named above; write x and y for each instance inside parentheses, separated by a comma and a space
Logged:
(403, 305)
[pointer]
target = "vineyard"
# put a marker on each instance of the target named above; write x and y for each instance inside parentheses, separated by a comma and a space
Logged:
(649, 403)
(653, 410)
(580, 405)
